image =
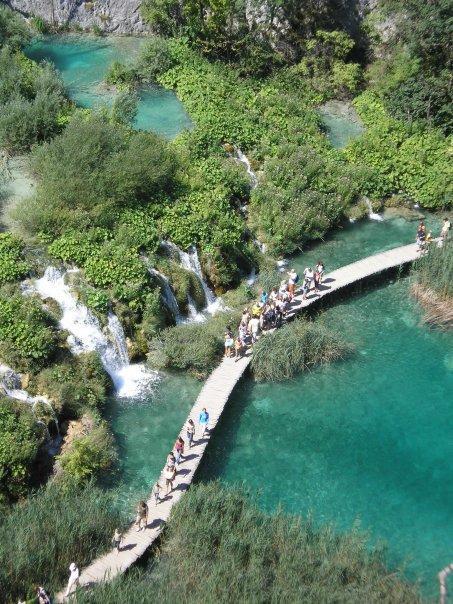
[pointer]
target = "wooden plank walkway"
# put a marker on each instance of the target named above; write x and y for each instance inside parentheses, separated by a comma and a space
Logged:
(214, 396)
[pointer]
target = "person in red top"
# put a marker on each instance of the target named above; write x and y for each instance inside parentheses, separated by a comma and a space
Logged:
(179, 450)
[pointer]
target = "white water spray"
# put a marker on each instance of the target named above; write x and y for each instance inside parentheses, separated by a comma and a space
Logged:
(168, 296)
(244, 160)
(372, 215)
(190, 262)
(10, 384)
(130, 380)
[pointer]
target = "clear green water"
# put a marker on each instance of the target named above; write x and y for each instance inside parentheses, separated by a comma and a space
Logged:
(367, 439)
(351, 242)
(145, 432)
(83, 62)
(341, 123)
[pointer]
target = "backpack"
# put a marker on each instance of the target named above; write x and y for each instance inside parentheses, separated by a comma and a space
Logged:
(296, 278)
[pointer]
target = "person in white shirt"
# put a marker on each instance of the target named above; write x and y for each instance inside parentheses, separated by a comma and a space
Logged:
(73, 578)
(446, 226)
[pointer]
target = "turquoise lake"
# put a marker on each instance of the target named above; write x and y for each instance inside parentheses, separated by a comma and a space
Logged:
(83, 62)
(366, 441)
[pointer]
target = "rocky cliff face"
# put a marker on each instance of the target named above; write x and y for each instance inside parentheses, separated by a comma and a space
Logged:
(113, 16)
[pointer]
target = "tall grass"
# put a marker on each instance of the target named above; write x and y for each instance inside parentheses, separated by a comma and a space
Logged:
(433, 287)
(40, 537)
(435, 269)
(296, 347)
(219, 547)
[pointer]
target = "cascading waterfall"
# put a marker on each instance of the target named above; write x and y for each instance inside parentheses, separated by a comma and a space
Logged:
(244, 160)
(190, 262)
(372, 215)
(10, 383)
(130, 380)
(168, 296)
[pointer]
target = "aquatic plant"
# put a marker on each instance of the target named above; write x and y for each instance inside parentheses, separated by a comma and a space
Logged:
(41, 536)
(225, 549)
(433, 285)
(297, 346)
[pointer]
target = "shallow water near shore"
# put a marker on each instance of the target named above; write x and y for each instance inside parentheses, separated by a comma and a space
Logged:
(83, 61)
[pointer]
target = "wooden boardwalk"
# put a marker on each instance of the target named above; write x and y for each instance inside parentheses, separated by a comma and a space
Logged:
(214, 396)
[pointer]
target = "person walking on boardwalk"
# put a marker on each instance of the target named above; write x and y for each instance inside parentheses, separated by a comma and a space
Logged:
(73, 581)
(42, 595)
(156, 492)
(171, 460)
(190, 431)
(116, 540)
(293, 278)
(446, 226)
(179, 450)
(203, 421)
(169, 475)
(142, 516)
(254, 327)
(229, 342)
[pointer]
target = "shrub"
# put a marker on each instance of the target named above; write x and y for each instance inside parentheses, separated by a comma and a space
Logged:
(297, 346)
(27, 335)
(120, 75)
(40, 537)
(196, 347)
(19, 441)
(88, 456)
(12, 263)
(13, 29)
(246, 555)
(155, 59)
(75, 386)
(435, 270)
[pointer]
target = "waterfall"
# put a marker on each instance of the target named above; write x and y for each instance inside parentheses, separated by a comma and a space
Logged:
(372, 215)
(190, 262)
(86, 335)
(244, 160)
(10, 382)
(168, 296)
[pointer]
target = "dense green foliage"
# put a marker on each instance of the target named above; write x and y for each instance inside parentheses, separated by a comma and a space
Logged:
(74, 386)
(218, 546)
(19, 441)
(401, 158)
(27, 334)
(40, 537)
(297, 346)
(412, 73)
(92, 173)
(12, 262)
(13, 30)
(88, 456)
(32, 103)
(435, 270)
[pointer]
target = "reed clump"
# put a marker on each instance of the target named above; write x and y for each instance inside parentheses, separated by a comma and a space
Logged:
(433, 286)
(41, 536)
(296, 347)
(220, 547)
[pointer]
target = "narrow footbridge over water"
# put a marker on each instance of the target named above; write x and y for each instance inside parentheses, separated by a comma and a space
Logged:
(214, 396)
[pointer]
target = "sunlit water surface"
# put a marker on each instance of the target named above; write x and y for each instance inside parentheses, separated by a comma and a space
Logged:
(83, 62)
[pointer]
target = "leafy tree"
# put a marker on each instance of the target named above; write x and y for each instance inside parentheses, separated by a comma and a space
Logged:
(19, 441)
(13, 29)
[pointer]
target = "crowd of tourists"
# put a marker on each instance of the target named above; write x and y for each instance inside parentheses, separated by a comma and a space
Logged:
(270, 310)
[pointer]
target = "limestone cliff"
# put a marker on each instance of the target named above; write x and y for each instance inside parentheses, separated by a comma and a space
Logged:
(114, 16)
